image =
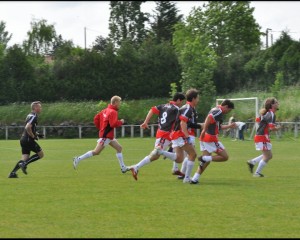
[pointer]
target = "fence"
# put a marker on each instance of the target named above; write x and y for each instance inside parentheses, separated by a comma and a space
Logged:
(14, 132)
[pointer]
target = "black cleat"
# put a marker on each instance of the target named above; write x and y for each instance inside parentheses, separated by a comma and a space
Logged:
(258, 175)
(23, 167)
(251, 166)
(13, 175)
(194, 182)
(180, 177)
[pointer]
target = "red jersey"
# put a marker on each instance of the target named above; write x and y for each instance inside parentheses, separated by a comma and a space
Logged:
(106, 121)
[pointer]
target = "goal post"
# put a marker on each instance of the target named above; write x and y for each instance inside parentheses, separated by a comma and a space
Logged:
(243, 99)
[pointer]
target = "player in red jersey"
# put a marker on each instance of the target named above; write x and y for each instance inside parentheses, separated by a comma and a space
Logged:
(106, 121)
(266, 121)
(209, 141)
(167, 114)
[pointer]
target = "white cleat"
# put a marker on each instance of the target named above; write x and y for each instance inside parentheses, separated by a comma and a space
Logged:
(75, 162)
(125, 169)
(186, 180)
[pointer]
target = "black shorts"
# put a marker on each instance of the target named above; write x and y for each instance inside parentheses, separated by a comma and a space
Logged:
(28, 145)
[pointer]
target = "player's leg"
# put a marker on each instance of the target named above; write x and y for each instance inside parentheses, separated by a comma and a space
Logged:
(267, 155)
(116, 145)
(101, 143)
(190, 150)
(161, 143)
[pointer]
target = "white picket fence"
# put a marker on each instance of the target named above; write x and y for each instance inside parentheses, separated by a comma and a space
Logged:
(291, 128)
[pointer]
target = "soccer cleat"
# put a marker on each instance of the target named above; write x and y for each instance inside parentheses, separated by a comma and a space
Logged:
(258, 175)
(180, 177)
(194, 182)
(251, 166)
(125, 169)
(12, 175)
(75, 162)
(23, 167)
(134, 172)
(177, 172)
(186, 180)
(155, 152)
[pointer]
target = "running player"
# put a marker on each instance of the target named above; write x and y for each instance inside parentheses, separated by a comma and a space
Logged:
(181, 141)
(28, 141)
(209, 141)
(106, 121)
(266, 121)
(166, 117)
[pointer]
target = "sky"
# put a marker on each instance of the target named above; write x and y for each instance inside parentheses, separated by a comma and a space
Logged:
(83, 21)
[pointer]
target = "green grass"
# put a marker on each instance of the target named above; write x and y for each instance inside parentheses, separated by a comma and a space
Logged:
(98, 201)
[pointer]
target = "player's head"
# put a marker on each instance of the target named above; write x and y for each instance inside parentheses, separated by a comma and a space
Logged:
(271, 103)
(227, 106)
(192, 96)
(36, 106)
(178, 98)
(116, 101)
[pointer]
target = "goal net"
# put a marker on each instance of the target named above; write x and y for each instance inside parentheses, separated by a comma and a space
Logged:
(245, 110)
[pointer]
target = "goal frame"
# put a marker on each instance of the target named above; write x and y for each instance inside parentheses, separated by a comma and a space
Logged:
(242, 99)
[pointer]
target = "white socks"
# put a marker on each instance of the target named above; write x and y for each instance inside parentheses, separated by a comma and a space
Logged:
(196, 177)
(189, 168)
(260, 167)
(183, 166)
(207, 158)
(121, 162)
(175, 166)
(256, 160)
(86, 155)
(170, 155)
(142, 163)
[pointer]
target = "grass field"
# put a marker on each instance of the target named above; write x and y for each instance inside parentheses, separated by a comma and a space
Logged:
(98, 201)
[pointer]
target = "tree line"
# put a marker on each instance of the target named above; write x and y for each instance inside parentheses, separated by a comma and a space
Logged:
(215, 49)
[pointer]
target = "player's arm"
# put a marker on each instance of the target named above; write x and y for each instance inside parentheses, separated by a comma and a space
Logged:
(113, 120)
(195, 125)
(231, 125)
(184, 128)
(28, 129)
(205, 126)
(144, 125)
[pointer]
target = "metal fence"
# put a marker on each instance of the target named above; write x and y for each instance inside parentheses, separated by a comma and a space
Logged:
(290, 129)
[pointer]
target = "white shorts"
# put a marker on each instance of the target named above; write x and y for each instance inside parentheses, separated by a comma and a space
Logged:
(211, 146)
(163, 144)
(179, 142)
(192, 139)
(104, 141)
(260, 146)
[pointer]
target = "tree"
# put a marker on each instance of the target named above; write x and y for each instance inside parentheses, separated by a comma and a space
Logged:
(165, 17)
(4, 35)
(17, 76)
(127, 22)
(197, 58)
(41, 39)
(100, 44)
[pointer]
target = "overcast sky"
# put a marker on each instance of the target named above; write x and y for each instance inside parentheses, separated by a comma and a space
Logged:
(70, 17)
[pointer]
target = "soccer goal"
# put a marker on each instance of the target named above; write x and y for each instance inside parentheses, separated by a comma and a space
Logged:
(253, 105)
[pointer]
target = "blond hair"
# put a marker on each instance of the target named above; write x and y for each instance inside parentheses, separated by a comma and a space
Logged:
(33, 104)
(115, 99)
